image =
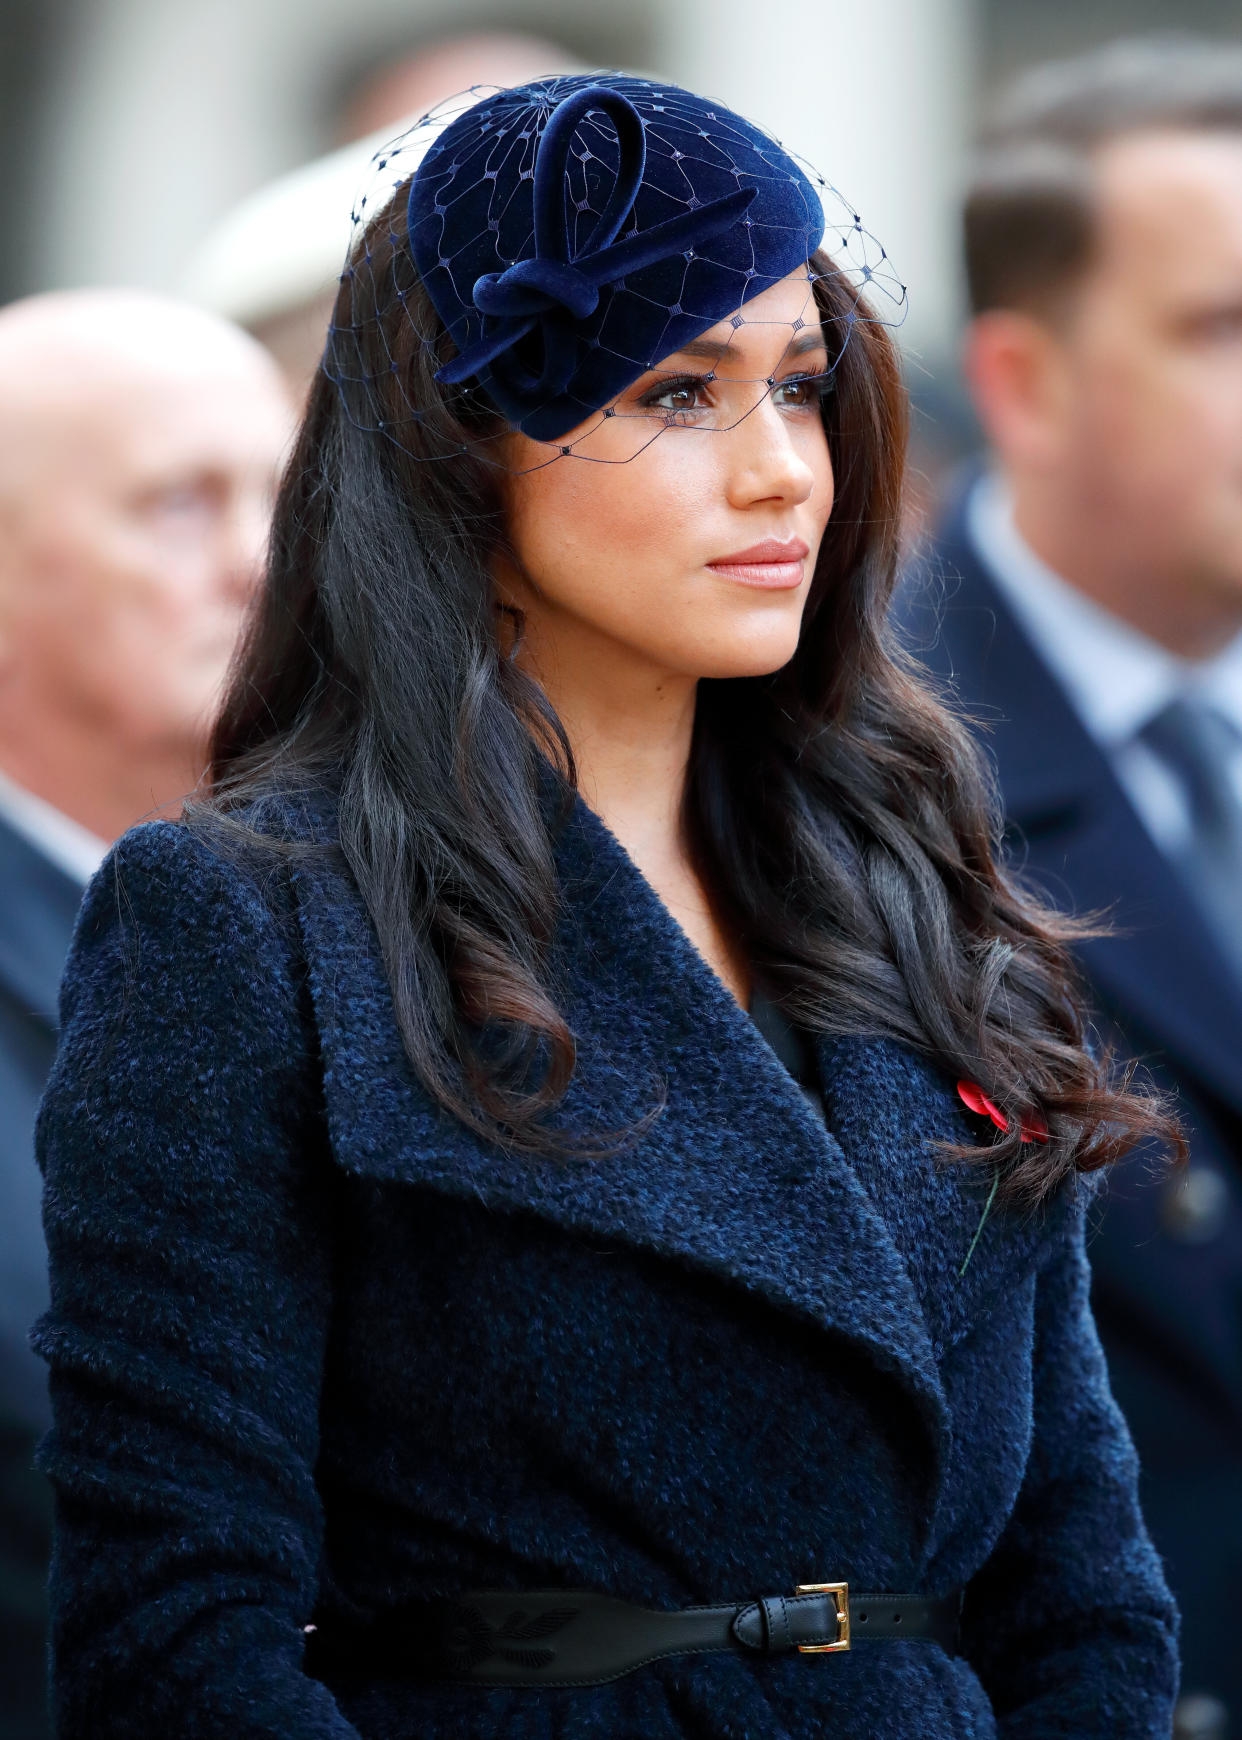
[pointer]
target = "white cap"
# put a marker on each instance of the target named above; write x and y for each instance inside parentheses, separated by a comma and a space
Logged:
(285, 245)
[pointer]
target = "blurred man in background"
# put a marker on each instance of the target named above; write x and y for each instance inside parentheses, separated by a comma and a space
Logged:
(1088, 591)
(397, 91)
(139, 442)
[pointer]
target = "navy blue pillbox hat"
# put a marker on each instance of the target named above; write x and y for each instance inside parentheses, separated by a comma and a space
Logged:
(573, 232)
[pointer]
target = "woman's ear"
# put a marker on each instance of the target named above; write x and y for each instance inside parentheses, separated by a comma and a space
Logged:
(1018, 371)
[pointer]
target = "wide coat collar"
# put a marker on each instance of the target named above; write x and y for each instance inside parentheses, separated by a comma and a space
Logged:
(1074, 827)
(860, 1234)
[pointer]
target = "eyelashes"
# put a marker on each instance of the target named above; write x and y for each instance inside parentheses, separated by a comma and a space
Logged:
(815, 388)
(694, 394)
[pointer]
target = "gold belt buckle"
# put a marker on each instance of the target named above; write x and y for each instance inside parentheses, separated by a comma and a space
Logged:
(840, 1593)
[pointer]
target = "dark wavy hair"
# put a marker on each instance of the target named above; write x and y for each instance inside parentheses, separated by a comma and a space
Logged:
(840, 814)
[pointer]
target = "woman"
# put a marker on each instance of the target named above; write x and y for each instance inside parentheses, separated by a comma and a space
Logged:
(468, 1318)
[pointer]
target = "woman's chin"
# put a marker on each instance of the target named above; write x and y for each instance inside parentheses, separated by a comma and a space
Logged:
(755, 655)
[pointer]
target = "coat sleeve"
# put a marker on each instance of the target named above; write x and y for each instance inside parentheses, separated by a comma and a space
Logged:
(187, 1207)
(1070, 1625)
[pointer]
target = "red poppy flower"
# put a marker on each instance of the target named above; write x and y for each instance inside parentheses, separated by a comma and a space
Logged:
(1033, 1129)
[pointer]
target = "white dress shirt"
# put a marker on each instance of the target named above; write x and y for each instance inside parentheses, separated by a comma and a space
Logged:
(1116, 678)
(66, 843)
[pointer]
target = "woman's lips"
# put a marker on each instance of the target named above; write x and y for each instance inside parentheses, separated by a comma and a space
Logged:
(774, 563)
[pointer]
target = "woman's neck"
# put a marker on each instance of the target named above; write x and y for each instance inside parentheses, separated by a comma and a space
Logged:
(630, 729)
(630, 733)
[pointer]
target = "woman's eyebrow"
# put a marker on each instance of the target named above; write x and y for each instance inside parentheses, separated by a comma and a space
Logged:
(712, 349)
(699, 350)
(811, 338)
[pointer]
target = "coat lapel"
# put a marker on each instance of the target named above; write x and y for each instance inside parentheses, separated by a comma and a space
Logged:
(735, 1176)
(892, 1110)
(1073, 827)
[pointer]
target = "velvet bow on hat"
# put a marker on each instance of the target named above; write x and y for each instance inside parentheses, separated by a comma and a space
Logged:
(573, 232)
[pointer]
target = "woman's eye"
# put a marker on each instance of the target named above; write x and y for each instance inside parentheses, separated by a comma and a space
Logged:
(802, 392)
(677, 398)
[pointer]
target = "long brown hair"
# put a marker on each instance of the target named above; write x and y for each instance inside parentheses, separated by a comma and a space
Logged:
(840, 813)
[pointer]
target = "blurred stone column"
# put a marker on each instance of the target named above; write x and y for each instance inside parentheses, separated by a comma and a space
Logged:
(878, 97)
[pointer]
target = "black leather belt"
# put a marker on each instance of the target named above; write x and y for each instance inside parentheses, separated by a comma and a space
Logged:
(574, 1637)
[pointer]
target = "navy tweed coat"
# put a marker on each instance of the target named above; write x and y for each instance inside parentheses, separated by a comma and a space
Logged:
(317, 1350)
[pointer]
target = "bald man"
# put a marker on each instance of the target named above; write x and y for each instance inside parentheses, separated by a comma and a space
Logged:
(139, 444)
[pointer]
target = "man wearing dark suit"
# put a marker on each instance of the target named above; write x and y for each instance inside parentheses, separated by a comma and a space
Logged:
(43, 871)
(138, 443)
(1084, 600)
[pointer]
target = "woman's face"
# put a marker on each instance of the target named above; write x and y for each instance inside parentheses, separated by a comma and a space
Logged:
(691, 553)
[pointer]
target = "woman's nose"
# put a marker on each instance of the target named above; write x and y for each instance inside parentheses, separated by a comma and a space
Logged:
(767, 461)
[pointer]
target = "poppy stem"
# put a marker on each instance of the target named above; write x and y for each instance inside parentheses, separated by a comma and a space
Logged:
(987, 1209)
